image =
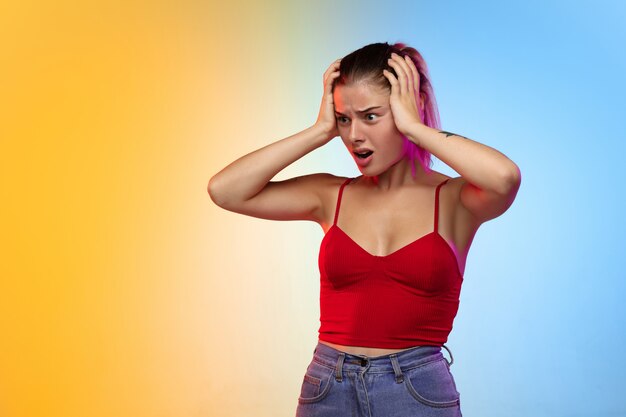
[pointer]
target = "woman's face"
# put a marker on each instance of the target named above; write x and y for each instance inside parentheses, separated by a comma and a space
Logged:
(361, 126)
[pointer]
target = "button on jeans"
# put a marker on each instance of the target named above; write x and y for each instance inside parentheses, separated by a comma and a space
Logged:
(412, 383)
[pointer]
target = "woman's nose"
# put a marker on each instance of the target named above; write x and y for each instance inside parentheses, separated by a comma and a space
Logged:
(354, 131)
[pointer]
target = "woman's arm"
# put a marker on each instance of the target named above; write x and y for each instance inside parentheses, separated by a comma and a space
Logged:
(244, 186)
(244, 178)
(482, 165)
(490, 179)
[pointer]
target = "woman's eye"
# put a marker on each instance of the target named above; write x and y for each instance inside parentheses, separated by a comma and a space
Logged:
(339, 118)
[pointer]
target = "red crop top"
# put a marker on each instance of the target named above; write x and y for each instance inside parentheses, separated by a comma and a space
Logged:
(407, 298)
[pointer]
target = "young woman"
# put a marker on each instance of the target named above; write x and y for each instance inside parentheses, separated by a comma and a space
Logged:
(396, 238)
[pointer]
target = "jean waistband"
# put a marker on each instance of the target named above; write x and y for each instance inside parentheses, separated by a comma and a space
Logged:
(394, 362)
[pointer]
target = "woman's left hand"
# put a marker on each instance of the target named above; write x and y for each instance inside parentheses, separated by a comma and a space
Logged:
(406, 107)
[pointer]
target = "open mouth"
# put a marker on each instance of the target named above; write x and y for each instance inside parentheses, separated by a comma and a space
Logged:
(363, 155)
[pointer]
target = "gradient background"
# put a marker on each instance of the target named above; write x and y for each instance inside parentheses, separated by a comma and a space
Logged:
(125, 292)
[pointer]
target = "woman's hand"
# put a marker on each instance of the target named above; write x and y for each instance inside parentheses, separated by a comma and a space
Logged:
(326, 119)
(404, 93)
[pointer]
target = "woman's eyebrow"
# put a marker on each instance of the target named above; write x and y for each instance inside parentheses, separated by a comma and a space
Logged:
(361, 111)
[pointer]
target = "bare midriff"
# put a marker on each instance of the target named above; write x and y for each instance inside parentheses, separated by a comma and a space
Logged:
(366, 351)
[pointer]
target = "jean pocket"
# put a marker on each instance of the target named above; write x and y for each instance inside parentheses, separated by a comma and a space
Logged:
(432, 384)
(316, 383)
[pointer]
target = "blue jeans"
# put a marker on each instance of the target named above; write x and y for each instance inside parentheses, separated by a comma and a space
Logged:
(414, 382)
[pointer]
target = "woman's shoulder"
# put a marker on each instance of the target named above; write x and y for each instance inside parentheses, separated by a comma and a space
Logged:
(325, 179)
(323, 184)
(439, 178)
(448, 182)
(450, 187)
(328, 181)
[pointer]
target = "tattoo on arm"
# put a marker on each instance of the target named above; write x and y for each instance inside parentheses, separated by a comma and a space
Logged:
(450, 134)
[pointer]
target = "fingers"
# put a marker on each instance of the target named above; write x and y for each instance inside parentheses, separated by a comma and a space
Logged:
(330, 74)
(405, 75)
(392, 80)
(415, 73)
(329, 81)
(408, 76)
(333, 67)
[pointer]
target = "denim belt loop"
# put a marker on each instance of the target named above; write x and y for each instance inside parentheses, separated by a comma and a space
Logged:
(451, 357)
(396, 368)
(339, 366)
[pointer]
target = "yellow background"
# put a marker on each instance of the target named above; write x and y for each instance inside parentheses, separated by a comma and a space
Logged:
(116, 268)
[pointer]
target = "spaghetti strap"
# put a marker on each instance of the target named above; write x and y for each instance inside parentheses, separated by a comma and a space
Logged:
(437, 203)
(339, 199)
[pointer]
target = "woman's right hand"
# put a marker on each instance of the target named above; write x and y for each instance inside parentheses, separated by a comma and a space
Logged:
(326, 118)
